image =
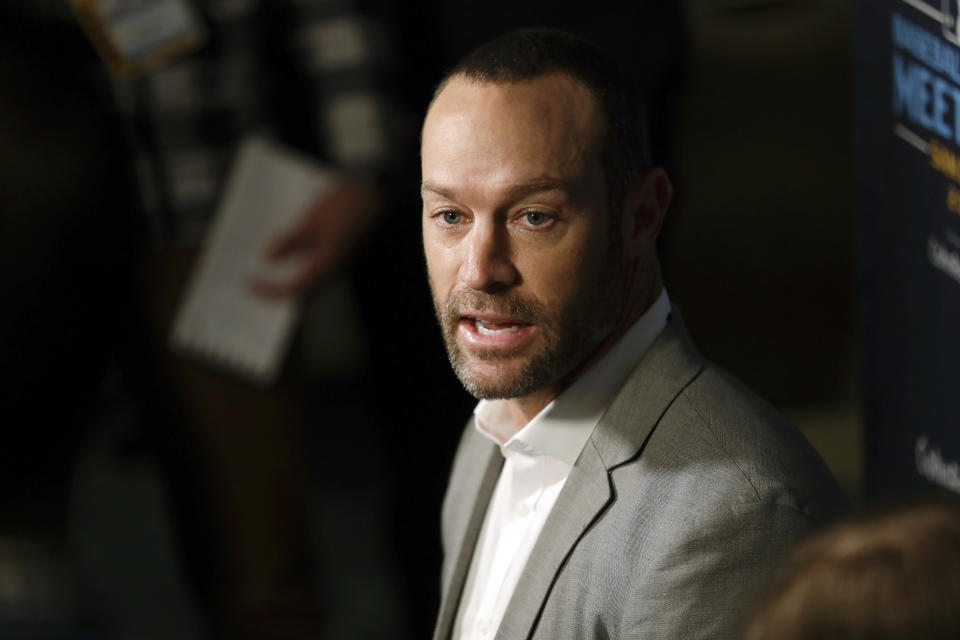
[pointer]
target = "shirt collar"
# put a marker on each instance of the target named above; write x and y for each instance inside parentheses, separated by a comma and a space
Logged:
(562, 428)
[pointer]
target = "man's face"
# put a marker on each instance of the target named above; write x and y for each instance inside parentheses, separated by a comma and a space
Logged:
(516, 231)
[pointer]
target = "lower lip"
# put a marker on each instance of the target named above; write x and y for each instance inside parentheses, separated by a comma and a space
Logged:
(507, 340)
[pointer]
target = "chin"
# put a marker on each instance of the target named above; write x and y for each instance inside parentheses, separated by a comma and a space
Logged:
(497, 382)
(493, 391)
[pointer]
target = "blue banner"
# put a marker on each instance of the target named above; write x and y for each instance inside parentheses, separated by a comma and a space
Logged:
(907, 139)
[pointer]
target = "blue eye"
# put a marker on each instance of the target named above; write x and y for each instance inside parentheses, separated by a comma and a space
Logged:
(451, 217)
(536, 218)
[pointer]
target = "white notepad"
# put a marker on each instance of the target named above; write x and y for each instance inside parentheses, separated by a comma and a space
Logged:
(220, 319)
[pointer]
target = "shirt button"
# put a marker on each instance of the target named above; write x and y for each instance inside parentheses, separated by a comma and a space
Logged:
(523, 509)
(483, 627)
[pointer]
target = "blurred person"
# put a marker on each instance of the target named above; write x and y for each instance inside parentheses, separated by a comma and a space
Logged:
(611, 483)
(310, 74)
(882, 575)
(233, 456)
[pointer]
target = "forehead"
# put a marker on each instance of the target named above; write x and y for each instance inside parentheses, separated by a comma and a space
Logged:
(548, 125)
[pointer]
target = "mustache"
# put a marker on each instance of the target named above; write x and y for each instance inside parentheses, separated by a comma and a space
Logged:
(527, 310)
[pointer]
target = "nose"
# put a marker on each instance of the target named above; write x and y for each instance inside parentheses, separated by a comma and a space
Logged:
(488, 264)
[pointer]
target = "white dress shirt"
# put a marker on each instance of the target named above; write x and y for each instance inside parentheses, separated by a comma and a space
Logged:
(538, 460)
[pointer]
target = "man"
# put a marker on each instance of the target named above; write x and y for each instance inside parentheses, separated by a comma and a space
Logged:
(612, 483)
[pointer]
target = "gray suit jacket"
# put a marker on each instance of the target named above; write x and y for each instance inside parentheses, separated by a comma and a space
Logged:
(686, 496)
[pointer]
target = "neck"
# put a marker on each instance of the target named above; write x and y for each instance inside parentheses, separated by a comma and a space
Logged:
(524, 409)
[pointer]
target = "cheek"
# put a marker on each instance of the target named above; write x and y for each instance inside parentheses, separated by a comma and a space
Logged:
(558, 278)
(441, 267)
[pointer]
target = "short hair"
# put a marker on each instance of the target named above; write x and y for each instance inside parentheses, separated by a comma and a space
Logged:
(885, 575)
(527, 54)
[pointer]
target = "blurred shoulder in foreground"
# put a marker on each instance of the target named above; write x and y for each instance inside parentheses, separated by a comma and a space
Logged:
(893, 573)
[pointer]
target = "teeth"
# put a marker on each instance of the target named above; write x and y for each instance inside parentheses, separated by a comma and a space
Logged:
(484, 331)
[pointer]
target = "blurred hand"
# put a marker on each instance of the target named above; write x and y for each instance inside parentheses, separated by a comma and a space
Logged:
(322, 240)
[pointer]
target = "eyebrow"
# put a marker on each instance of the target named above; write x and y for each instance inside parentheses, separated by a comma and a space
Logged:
(512, 193)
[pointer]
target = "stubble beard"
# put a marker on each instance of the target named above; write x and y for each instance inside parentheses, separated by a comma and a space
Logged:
(567, 337)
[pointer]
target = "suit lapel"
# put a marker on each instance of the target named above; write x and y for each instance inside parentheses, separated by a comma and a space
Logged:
(670, 365)
(473, 488)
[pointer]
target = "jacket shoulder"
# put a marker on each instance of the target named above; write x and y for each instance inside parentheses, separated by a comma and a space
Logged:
(740, 441)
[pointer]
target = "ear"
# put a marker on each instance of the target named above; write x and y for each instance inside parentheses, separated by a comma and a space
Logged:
(647, 201)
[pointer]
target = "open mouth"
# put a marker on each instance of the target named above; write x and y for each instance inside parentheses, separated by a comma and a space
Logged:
(496, 328)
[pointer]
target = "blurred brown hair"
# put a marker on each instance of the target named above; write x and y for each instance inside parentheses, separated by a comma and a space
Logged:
(889, 574)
